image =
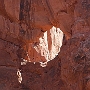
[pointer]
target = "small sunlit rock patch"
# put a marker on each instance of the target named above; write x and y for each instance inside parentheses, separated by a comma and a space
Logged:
(19, 76)
(24, 61)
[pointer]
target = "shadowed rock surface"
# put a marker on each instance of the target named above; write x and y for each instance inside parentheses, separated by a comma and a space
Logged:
(22, 22)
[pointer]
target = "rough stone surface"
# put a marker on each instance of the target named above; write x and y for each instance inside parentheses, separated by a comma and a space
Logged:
(22, 22)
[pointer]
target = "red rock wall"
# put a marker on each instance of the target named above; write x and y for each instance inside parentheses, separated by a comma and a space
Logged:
(22, 22)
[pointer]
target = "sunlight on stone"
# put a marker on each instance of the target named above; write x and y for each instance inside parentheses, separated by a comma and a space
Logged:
(19, 76)
(24, 62)
(49, 46)
(50, 50)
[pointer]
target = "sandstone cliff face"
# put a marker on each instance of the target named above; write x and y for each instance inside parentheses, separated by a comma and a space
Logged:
(23, 22)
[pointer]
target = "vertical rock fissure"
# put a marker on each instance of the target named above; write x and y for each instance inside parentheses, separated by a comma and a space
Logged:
(26, 17)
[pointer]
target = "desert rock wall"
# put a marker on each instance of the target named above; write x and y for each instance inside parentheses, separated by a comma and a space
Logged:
(23, 22)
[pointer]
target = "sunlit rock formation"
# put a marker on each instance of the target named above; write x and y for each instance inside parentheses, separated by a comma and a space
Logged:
(50, 44)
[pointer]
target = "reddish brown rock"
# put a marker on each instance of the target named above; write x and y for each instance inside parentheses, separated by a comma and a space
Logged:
(22, 22)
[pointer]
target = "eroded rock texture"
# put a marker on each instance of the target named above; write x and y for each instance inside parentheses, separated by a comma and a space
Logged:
(22, 22)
